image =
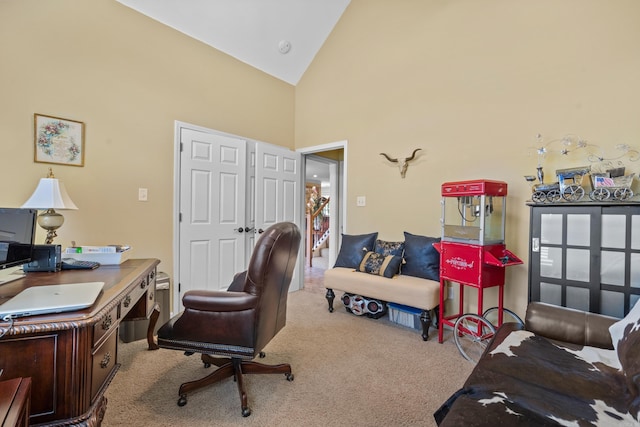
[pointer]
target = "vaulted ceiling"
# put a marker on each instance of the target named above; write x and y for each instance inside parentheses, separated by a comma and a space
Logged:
(279, 37)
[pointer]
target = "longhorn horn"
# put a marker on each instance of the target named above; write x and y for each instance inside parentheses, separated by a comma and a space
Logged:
(408, 159)
(389, 158)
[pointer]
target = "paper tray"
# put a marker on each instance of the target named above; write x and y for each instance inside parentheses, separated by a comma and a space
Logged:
(102, 258)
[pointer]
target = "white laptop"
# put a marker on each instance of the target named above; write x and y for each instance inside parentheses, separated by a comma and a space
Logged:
(51, 299)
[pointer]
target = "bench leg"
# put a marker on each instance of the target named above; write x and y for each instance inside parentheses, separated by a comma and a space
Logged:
(425, 319)
(330, 296)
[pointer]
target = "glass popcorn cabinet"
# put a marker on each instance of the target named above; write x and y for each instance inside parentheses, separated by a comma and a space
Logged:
(473, 212)
(473, 253)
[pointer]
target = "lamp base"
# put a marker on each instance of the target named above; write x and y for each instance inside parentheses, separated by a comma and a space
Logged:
(50, 220)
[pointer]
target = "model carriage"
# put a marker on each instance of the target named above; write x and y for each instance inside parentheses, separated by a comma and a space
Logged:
(610, 185)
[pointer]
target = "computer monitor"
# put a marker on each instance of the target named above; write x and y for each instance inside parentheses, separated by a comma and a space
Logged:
(17, 237)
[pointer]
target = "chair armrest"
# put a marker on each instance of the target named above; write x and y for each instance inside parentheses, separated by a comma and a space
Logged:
(569, 325)
(237, 285)
(218, 300)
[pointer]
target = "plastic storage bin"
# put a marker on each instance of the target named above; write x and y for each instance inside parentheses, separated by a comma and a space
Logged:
(405, 315)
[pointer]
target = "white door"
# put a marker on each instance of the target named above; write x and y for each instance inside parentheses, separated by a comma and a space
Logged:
(212, 210)
(278, 181)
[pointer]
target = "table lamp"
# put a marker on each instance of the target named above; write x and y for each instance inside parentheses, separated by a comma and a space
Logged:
(50, 194)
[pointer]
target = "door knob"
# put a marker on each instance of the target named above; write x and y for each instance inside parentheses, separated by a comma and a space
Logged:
(260, 231)
(240, 229)
(247, 229)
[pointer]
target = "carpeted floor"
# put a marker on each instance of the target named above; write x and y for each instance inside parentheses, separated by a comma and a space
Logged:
(349, 371)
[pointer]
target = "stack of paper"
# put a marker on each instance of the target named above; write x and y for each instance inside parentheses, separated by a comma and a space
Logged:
(109, 249)
(106, 255)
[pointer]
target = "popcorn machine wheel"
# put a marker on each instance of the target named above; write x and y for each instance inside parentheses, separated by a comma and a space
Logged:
(473, 253)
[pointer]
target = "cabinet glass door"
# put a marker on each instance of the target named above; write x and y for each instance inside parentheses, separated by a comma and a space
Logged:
(561, 257)
(620, 253)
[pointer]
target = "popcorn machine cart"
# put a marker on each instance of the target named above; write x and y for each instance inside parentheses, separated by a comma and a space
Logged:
(473, 253)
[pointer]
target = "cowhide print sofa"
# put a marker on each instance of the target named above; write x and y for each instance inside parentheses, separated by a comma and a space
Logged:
(564, 367)
(406, 272)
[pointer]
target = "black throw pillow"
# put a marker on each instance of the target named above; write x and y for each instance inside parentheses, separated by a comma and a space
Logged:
(354, 248)
(420, 257)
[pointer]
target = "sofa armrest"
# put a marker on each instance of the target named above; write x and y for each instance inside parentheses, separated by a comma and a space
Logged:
(569, 325)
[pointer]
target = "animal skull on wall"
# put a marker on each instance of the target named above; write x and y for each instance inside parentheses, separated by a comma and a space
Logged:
(402, 164)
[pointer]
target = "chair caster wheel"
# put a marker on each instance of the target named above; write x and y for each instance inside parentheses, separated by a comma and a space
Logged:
(182, 400)
(289, 377)
(246, 412)
(262, 355)
(207, 365)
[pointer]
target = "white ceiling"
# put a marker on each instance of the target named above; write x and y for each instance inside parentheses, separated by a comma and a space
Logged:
(251, 30)
(316, 171)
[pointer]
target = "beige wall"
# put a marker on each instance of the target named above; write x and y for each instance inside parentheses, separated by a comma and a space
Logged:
(128, 78)
(471, 83)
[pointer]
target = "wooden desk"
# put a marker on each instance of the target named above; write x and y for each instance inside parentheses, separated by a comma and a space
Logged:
(72, 357)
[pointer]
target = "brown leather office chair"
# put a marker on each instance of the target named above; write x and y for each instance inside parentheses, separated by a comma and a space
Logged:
(237, 324)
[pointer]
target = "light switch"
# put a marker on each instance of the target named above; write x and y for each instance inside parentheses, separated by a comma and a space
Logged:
(142, 194)
(361, 201)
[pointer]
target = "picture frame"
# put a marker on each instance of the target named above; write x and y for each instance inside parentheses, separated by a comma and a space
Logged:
(58, 140)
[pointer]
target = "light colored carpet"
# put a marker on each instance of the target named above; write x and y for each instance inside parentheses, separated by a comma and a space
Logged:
(349, 371)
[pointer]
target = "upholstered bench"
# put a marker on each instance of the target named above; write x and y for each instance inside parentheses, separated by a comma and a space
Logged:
(405, 273)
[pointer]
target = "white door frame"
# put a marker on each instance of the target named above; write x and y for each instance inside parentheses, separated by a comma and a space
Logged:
(334, 237)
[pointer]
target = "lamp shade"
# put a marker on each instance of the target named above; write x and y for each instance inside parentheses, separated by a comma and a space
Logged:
(50, 194)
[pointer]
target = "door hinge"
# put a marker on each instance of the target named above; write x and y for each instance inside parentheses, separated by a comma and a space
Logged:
(180, 217)
(179, 287)
(181, 147)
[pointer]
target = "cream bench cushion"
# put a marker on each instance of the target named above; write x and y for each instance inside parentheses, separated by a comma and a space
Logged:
(401, 289)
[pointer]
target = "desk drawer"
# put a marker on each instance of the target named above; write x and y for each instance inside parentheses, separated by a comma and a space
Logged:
(132, 299)
(104, 325)
(151, 295)
(140, 300)
(103, 361)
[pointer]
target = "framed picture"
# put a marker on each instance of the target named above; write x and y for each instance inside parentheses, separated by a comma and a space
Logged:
(58, 140)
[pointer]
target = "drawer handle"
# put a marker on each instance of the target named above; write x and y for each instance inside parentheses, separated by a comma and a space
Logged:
(143, 284)
(127, 301)
(107, 322)
(105, 360)
(151, 296)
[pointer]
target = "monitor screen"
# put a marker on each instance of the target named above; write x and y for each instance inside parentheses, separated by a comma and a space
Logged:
(17, 235)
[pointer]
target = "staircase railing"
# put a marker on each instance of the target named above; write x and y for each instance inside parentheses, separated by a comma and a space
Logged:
(317, 230)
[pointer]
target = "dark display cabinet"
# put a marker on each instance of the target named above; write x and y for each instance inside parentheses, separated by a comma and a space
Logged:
(585, 256)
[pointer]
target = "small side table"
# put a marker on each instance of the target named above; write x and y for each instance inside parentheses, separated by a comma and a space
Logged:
(15, 402)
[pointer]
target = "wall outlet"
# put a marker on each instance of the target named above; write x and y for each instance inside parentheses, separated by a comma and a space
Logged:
(361, 201)
(142, 194)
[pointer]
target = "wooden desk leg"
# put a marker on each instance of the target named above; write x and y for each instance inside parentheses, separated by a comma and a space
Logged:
(153, 319)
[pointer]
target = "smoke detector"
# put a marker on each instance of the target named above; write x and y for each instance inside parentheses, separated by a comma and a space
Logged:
(284, 46)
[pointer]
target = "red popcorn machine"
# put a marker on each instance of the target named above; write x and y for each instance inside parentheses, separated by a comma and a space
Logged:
(473, 253)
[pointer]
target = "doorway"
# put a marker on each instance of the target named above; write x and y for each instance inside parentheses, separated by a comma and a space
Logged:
(325, 183)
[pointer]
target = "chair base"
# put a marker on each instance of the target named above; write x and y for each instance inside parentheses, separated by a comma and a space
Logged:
(232, 367)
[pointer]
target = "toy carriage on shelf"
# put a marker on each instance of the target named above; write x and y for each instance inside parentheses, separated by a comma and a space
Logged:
(611, 185)
(611, 188)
